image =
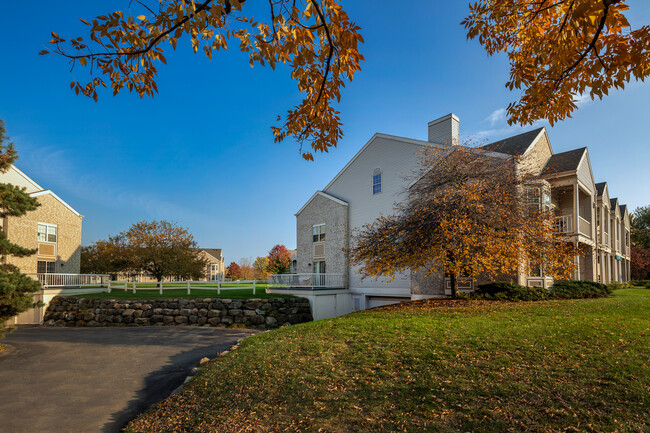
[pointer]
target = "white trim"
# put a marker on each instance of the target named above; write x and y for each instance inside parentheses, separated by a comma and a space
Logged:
(49, 192)
(443, 118)
(532, 143)
(322, 194)
(582, 160)
(27, 178)
(372, 139)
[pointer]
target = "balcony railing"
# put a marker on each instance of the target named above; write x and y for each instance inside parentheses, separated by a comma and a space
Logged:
(71, 280)
(584, 226)
(307, 281)
(564, 224)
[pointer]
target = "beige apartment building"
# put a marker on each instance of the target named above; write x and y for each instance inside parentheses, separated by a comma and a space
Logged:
(380, 174)
(53, 229)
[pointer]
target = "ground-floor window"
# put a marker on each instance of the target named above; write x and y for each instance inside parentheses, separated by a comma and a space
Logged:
(319, 267)
(43, 267)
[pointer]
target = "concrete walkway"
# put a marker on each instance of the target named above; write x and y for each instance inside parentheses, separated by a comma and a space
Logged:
(96, 379)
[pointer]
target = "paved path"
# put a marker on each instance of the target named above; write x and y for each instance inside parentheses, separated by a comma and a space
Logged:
(96, 379)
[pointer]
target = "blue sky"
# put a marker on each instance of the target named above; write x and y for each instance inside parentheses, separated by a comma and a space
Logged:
(201, 152)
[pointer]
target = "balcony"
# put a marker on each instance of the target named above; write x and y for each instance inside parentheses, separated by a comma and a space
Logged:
(564, 224)
(307, 281)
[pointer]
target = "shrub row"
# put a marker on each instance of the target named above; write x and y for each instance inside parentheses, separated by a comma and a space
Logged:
(503, 291)
(641, 283)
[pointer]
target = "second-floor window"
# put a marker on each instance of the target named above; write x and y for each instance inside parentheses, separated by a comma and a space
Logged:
(376, 181)
(318, 232)
(46, 232)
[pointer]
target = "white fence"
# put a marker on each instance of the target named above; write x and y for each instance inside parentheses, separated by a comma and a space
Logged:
(71, 280)
(188, 285)
(313, 281)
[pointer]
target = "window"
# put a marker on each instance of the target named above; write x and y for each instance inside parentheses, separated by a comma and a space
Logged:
(318, 233)
(43, 267)
(46, 232)
(376, 181)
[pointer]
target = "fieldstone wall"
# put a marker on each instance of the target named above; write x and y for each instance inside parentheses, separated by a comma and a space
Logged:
(250, 313)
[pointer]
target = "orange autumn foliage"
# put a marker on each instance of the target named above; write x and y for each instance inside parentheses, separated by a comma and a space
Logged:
(559, 50)
(467, 215)
(315, 38)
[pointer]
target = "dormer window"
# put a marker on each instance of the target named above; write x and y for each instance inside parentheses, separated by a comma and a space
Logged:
(376, 181)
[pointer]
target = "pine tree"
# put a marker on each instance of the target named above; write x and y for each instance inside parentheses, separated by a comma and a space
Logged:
(16, 288)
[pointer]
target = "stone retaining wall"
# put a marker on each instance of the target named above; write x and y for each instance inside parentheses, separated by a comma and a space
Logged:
(251, 313)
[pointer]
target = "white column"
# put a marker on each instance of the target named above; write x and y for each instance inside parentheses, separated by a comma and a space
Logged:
(576, 206)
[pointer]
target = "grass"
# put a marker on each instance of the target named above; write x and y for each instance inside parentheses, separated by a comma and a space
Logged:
(182, 293)
(577, 365)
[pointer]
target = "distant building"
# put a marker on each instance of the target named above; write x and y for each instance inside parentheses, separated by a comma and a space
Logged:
(215, 270)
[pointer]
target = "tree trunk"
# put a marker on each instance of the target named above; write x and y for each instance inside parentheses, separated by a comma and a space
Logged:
(454, 286)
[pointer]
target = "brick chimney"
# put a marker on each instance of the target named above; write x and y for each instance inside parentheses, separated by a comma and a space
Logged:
(444, 130)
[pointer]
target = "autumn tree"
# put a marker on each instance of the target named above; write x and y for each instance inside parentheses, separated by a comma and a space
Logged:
(279, 260)
(466, 216)
(260, 266)
(233, 271)
(315, 38)
(110, 256)
(246, 268)
(16, 288)
(559, 50)
(640, 263)
(157, 248)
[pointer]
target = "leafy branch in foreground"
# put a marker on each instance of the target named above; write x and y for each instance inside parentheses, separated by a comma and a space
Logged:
(559, 50)
(316, 38)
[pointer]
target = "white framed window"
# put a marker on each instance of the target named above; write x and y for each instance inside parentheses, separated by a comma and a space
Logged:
(47, 232)
(43, 267)
(376, 181)
(318, 232)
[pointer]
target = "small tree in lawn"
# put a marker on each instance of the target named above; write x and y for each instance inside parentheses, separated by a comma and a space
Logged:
(279, 260)
(466, 216)
(260, 266)
(111, 256)
(233, 271)
(158, 248)
(16, 288)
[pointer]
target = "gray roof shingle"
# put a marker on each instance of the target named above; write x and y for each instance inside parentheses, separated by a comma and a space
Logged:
(516, 145)
(600, 188)
(565, 161)
(214, 252)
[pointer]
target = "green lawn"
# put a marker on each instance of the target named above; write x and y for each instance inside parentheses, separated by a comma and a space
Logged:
(231, 293)
(580, 365)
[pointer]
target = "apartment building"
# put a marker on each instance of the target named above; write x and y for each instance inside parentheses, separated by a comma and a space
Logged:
(379, 175)
(53, 229)
(215, 269)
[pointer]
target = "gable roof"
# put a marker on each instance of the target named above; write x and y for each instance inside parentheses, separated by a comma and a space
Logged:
(214, 252)
(322, 194)
(600, 188)
(516, 145)
(56, 197)
(623, 209)
(614, 207)
(565, 161)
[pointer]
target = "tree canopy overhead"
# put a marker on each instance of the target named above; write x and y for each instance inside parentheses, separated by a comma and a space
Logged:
(315, 38)
(559, 50)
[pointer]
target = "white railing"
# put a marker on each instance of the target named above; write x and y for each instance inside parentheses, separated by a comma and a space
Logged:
(71, 280)
(184, 285)
(584, 226)
(313, 281)
(564, 224)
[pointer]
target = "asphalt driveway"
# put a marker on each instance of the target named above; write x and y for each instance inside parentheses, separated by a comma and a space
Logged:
(96, 379)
